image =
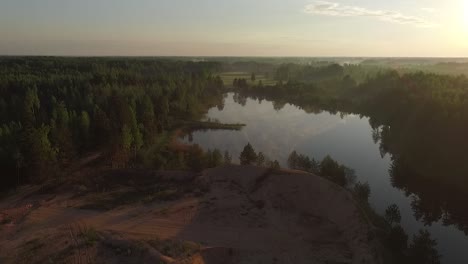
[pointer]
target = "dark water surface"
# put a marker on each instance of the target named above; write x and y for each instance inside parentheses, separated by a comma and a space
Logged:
(347, 139)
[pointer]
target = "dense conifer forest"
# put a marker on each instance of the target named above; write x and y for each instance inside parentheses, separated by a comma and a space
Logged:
(55, 110)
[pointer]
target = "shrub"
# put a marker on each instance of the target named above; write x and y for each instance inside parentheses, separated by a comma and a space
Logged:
(248, 155)
(392, 214)
(362, 191)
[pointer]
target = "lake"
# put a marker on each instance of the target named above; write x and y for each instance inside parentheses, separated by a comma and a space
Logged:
(348, 139)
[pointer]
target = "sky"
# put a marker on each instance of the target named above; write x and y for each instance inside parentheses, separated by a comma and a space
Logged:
(355, 28)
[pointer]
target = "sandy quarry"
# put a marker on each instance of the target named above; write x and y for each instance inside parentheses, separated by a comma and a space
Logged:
(235, 214)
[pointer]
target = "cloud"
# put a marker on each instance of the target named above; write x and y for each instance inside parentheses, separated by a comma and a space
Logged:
(326, 8)
(428, 9)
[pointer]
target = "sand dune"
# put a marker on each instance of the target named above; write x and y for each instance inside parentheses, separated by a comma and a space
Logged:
(247, 215)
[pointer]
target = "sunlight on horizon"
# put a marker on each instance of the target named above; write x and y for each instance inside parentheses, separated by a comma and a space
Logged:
(359, 28)
(465, 15)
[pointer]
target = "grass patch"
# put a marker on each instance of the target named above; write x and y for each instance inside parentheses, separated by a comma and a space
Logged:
(89, 235)
(151, 194)
(164, 211)
(228, 78)
(188, 126)
(163, 195)
(29, 250)
(5, 219)
(175, 249)
(132, 186)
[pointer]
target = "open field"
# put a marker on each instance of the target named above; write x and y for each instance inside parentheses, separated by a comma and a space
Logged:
(228, 78)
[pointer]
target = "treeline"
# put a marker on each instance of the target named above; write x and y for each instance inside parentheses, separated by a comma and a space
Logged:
(332, 170)
(265, 68)
(193, 157)
(53, 110)
(328, 168)
(421, 249)
(287, 72)
(248, 156)
(196, 159)
(406, 111)
(420, 119)
(303, 85)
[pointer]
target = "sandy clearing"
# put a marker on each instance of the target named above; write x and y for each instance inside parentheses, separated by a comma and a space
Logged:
(264, 216)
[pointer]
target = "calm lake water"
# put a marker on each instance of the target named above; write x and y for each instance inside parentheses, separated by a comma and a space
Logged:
(348, 140)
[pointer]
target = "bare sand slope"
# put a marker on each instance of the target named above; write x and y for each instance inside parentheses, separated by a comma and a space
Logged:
(247, 215)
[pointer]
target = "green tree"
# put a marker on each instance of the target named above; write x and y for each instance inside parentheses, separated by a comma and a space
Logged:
(331, 169)
(137, 136)
(62, 138)
(195, 158)
(293, 160)
(31, 106)
(315, 167)
(31, 99)
(248, 155)
(216, 158)
(19, 163)
(85, 124)
(252, 77)
(398, 242)
(274, 165)
(260, 84)
(227, 158)
(62, 115)
(392, 214)
(260, 159)
(207, 159)
(350, 175)
(362, 191)
(42, 157)
(127, 138)
(102, 127)
(423, 249)
(148, 118)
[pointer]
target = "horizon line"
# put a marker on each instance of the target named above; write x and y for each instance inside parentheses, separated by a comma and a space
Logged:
(231, 56)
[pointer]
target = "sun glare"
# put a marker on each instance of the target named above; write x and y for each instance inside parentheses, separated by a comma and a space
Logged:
(465, 14)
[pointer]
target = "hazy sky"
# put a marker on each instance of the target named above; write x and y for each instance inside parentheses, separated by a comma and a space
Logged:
(234, 27)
